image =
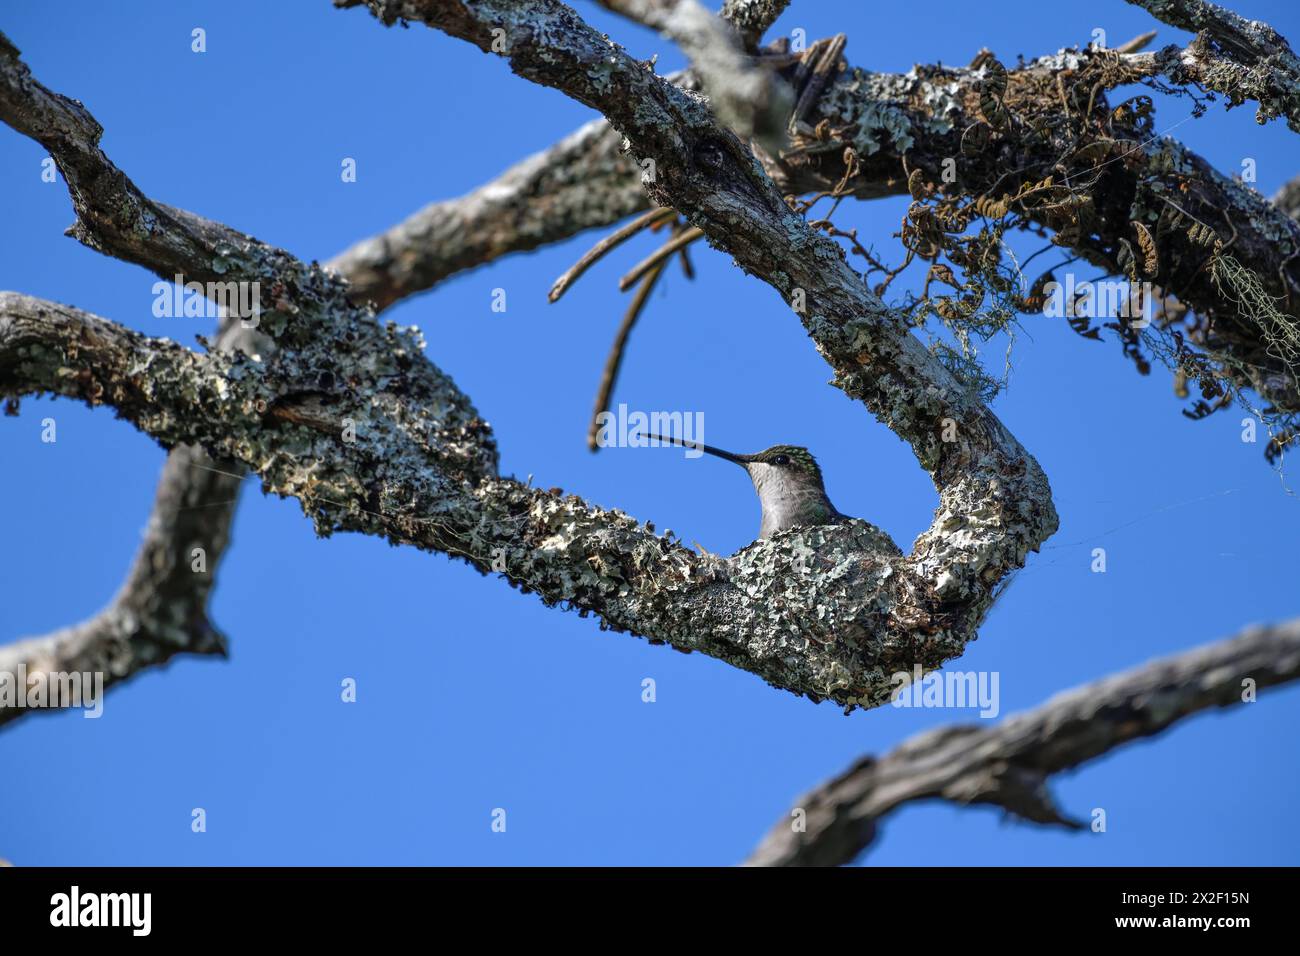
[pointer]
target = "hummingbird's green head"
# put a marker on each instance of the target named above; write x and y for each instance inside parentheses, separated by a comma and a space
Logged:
(791, 458)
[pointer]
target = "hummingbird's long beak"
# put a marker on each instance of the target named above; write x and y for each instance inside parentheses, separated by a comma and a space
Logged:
(717, 452)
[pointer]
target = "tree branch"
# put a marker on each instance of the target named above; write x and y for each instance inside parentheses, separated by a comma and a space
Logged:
(1109, 169)
(995, 505)
(744, 94)
(820, 611)
(585, 181)
(1008, 764)
(1243, 59)
(1118, 174)
(391, 482)
(161, 609)
(140, 627)
(752, 18)
(115, 218)
(580, 183)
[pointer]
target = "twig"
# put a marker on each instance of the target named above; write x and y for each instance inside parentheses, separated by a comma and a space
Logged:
(681, 241)
(613, 240)
(615, 359)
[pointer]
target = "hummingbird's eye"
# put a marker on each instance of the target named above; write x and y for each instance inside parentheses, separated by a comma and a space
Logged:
(780, 460)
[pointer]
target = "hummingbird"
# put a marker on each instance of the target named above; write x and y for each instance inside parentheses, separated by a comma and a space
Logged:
(789, 485)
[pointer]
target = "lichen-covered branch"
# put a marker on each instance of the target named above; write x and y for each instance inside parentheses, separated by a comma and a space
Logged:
(115, 218)
(1008, 764)
(544, 198)
(744, 94)
(355, 423)
(995, 504)
(1243, 59)
(1118, 172)
(752, 18)
(389, 481)
(1041, 147)
(162, 608)
(585, 181)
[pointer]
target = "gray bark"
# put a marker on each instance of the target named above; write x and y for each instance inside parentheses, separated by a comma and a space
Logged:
(925, 115)
(422, 470)
(582, 182)
(1244, 59)
(828, 613)
(1008, 764)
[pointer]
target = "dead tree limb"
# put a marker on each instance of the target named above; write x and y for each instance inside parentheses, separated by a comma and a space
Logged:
(1008, 764)
(582, 182)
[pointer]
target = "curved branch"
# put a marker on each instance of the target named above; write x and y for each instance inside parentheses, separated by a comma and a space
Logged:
(356, 424)
(1008, 764)
(161, 610)
(390, 481)
(995, 504)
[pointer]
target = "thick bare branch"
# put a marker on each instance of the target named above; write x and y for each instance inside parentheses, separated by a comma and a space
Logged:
(161, 609)
(1008, 764)
(582, 182)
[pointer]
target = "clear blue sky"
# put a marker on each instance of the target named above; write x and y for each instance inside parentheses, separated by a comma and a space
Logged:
(472, 696)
